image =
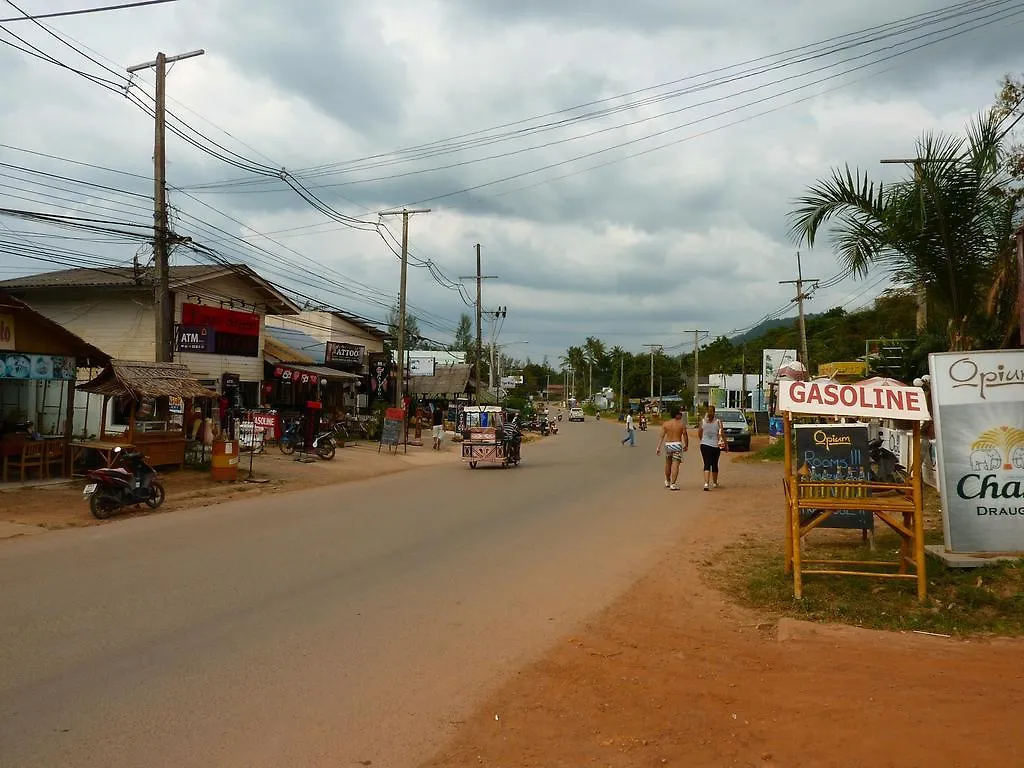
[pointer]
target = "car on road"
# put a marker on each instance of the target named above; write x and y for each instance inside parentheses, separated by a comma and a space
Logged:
(736, 428)
(576, 414)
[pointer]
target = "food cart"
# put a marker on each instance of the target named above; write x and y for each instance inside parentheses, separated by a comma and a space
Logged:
(482, 429)
(151, 400)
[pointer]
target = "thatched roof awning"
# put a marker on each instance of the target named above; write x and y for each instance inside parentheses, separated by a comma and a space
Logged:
(447, 380)
(144, 379)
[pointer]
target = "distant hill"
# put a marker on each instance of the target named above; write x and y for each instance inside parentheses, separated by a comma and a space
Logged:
(768, 325)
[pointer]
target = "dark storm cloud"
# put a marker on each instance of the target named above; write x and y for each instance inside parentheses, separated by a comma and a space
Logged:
(333, 54)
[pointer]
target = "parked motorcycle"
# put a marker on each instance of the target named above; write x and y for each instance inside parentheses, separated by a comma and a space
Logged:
(643, 425)
(129, 481)
(885, 466)
(325, 444)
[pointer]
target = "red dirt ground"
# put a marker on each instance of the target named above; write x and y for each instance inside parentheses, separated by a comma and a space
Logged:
(673, 674)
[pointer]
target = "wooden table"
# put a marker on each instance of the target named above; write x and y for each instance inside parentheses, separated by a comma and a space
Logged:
(104, 448)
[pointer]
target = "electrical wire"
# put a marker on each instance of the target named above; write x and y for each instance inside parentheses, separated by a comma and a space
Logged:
(84, 11)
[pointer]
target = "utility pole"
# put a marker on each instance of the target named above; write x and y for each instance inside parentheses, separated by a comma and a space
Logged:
(696, 367)
(500, 312)
(800, 296)
(622, 375)
(652, 347)
(162, 307)
(400, 388)
(743, 377)
(479, 321)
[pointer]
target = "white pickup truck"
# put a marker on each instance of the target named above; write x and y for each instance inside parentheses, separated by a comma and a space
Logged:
(576, 414)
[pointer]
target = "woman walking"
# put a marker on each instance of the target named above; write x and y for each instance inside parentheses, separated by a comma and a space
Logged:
(712, 438)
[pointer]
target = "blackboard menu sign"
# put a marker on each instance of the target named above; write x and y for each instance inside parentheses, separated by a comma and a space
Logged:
(836, 454)
(391, 432)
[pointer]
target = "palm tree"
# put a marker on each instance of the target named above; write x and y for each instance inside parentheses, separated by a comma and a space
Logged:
(594, 350)
(948, 230)
(575, 359)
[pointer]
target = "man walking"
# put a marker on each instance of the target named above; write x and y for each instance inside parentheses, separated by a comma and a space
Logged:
(676, 440)
(630, 431)
(438, 426)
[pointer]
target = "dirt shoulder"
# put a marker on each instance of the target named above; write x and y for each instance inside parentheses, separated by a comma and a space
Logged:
(672, 673)
(60, 505)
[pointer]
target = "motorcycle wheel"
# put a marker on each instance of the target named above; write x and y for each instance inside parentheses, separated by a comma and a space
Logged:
(103, 505)
(326, 451)
(156, 497)
(287, 446)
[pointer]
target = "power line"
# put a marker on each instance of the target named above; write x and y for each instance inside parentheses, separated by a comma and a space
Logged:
(84, 11)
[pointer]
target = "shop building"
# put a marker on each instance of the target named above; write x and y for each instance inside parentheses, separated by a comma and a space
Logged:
(39, 362)
(220, 316)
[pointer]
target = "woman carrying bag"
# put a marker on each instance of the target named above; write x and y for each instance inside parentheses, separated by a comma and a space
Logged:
(712, 440)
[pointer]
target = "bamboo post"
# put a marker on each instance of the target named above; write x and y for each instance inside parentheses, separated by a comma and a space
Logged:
(915, 479)
(787, 466)
(794, 509)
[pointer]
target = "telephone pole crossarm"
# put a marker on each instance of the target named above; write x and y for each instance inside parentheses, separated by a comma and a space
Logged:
(163, 310)
(800, 296)
(696, 365)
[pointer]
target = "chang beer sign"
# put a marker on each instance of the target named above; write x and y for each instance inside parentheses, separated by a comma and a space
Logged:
(978, 402)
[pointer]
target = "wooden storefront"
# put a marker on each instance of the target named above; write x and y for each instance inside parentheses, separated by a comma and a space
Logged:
(150, 401)
(39, 361)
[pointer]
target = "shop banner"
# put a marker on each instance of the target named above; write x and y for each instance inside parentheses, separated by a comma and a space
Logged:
(337, 352)
(16, 365)
(221, 320)
(873, 401)
(295, 375)
(978, 399)
(195, 338)
(7, 332)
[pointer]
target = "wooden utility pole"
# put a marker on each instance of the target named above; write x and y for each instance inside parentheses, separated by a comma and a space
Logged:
(479, 320)
(696, 367)
(400, 383)
(622, 375)
(163, 308)
(653, 347)
(800, 296)
(500, 312)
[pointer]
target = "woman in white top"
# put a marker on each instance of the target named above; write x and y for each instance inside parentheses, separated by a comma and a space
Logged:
(712, 437)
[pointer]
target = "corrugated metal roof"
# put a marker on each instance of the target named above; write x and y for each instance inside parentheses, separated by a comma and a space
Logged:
(106, 277)
(302, 343)
(128, 277)
(319, 370)
(82, 350)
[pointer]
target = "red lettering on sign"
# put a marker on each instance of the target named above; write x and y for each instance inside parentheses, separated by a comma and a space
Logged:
(894, 399)
(831, 394)
(814, 395)
(913, 401)
(848, 396)
(797, 392)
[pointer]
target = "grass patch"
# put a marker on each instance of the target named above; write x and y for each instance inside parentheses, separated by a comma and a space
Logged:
(772, 452)
(986, 600)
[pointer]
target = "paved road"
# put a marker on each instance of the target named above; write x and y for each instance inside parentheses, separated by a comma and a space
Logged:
(324, 627)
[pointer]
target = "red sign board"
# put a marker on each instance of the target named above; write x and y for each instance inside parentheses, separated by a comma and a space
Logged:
(221, 320)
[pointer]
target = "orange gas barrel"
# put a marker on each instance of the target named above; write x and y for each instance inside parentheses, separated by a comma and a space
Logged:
(224, 460)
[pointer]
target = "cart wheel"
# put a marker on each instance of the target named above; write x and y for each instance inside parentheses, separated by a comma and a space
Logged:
(472, 465)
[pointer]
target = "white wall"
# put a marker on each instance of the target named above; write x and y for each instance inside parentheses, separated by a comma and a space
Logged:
(119, 323)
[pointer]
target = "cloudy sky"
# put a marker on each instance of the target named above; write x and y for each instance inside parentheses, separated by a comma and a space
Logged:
(626, 167)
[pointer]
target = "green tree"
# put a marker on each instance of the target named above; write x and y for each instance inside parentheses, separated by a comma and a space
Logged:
(947, 230)
(413, 337)
(464, 341)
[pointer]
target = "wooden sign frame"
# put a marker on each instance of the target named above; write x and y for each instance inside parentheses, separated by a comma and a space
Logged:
(898, 505)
